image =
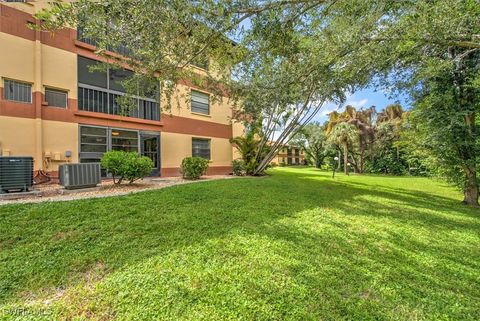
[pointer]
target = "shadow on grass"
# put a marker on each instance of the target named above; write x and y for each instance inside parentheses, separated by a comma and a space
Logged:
(344, 242)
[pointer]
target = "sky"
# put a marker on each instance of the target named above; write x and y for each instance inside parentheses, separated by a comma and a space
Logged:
(361, 99)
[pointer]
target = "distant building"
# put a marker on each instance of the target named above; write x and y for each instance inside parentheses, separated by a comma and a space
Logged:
(290, 155)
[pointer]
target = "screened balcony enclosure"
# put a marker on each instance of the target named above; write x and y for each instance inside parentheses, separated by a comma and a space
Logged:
(103, 92)
(120, 49)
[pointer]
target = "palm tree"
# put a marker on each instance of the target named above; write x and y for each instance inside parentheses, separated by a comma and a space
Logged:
(362, 120)
(393, 115)
(344, 134)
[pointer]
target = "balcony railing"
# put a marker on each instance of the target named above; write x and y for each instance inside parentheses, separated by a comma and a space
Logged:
(121, 49)
(103, 101)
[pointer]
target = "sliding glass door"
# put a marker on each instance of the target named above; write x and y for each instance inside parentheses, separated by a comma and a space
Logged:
(150, 147)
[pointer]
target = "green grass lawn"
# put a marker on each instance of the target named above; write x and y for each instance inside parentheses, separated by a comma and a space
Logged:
(296, 245)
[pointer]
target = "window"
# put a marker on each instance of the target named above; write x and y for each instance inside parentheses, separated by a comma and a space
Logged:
(17, 91)
(201, 148)
(200, 103)
(201, 62)
(125, 140)
(93, 140)
(56, 98)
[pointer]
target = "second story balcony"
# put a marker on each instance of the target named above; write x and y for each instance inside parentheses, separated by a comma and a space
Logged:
(98, 100)
(120, 49)
(102, 91)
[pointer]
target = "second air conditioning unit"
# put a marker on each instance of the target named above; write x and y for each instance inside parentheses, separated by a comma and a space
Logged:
(74, 176)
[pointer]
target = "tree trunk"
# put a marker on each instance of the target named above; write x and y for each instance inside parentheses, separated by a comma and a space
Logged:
(470, 190)
(339, 162)
(318, 161)
(345, 158)
(362, 159)
(362, 155)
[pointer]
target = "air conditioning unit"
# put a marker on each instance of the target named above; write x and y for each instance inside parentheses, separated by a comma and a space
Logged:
(73, 176)
(16, 174)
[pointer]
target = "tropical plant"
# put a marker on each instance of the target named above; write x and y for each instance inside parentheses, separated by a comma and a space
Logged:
(238, 167)
(248, 146)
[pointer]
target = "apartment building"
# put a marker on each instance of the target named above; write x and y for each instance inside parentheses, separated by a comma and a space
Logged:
(290, 155)
(52, 107)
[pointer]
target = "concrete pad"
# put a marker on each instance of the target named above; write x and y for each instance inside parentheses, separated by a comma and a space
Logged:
(19, 195)
(160, 180)
(64, 191)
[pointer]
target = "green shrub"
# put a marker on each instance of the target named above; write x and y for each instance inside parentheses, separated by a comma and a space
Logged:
(127, 166)
(194, 167)
(238, 167)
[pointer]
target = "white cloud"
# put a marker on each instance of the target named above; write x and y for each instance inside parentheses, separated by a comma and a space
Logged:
(357, 103)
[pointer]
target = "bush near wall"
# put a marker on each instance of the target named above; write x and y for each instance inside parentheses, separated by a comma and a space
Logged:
(238, 167)
(194, 167)
(126, 166)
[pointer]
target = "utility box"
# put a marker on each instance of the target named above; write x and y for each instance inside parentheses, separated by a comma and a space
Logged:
(16, 174)
(74, 176)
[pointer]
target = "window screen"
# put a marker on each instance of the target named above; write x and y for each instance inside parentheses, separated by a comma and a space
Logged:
(201, 148)
(17, 91)
(200, 103)
(95, 78)
(56, 98)
(117, 76)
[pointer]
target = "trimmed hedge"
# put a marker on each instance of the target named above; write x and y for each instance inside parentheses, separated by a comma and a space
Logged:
(194, 167)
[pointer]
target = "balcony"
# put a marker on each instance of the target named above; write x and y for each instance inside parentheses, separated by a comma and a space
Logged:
(121, 49)
(105, 101)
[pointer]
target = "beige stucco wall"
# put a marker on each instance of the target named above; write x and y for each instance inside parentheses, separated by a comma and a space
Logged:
(58, 137)
(59, 70)
(17, 62)
(18, 134)
(220, 111)
(175, 147)
(237, 130)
